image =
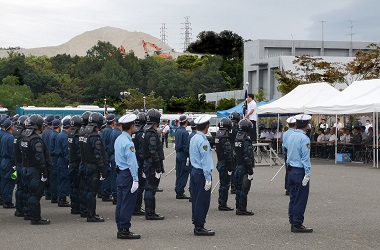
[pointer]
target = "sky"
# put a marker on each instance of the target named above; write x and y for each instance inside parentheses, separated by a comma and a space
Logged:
(40, 23)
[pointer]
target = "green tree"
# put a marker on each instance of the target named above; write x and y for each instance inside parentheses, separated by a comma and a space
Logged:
(13, 94)
(50, 100)
(225, 103)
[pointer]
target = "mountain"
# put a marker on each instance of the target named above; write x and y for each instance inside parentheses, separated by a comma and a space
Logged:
(83, 42)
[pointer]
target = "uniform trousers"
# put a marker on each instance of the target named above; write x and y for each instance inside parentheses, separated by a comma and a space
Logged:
(200, 198)
(182, 172)
(126, 201)
(298, 195)
(224, 183)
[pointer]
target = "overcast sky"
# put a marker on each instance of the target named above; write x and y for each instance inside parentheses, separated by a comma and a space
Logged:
(39, 23)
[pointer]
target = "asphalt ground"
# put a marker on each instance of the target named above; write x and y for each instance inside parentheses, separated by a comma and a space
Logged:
(343, 210)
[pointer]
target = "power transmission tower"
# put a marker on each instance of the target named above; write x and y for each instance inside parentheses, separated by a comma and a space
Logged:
(187, 33)
(351, 34)
(163, 33)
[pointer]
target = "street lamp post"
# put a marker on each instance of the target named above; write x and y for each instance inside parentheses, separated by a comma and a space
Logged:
(144, 103)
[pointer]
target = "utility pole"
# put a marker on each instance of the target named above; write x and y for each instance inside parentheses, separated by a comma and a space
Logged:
(163, 32)
(351, 34)
(323, 46)
(187, 33)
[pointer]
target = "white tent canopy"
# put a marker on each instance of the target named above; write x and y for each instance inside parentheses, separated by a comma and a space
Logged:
(299, 98)
(360, 97)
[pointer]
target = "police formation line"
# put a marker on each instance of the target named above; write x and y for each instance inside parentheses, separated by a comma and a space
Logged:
(120, 159)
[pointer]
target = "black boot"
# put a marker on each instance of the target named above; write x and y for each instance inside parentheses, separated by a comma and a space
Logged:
(201, 231)
(139, 211)
(225, 208)
(63, 203)
(300, 229)
(40, 222)
(95, 218)
(243, 212)
(19, 213)
(126, 234)
(154, 216)
(182, 197)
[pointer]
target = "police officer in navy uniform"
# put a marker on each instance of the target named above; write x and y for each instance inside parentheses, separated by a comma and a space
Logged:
(111, 153)
(37, 165)
(235, 118)
(201, 160)
(2, 132)
(244, 166)
(6, 164)
(106, 184)
(182, 154)
(137, 138)
(224, 152)
(20, 191)
(153, 163)
(53, 173)
(95, 156)
(127, 177)
(62, 151)
(298, 163)
(292, 125)
(74, 163)
(82, 167)
(47, 130)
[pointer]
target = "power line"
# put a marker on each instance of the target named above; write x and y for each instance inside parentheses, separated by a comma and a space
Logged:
(187, 33)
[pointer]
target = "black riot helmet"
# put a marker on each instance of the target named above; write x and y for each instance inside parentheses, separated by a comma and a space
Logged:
(96, 119)
(235, 117)
(153, 116)
(141, 119)
(225, 123)
(21, 120)
(76, 121)
(34, 122)
(245, 125)
(85, 117)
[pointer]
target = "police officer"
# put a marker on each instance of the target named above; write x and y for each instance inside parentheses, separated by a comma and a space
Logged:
(111, 153)
(106, 185)
(193, 132)
(292, 125)
(201, 160)
(62, 151)
(52, 149)
(74, 162)
(7, 164)
(20, 191)
(244, 166)
(224, 154)
(95, 155)
(37, 165)
(137, 138)
(45, 135)
(2, 132)
(127, 178)
(182, 154)
(298, 163)
(235, 118)
(82, 167)
(153, 163)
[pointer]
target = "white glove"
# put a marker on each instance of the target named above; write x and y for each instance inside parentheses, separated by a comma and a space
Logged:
(305, 180)
(187, 161)
(143, 175)
(102, 178)
(158, 175)
(229, 172)
(68, 166)
(135, 186)
(250, 177)
(14, 167)
(207, 185)
(43, 179)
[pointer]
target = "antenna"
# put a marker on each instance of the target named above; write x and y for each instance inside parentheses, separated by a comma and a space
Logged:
(187, 33)
(163, 31)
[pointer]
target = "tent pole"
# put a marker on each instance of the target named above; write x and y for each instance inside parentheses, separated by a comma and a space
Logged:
(377, 140)
(278, 130)
(374, 138)
(336, 134)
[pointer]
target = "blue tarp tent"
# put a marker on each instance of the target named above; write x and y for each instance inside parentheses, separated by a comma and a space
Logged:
(238, 108)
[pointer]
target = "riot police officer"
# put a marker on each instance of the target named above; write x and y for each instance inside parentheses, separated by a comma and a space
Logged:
(292, 124)
(62, 151)
(37, 165)
(111, 154)
(95, 155)
(53, 172)
(235, 118)
(137, 138)
(82, 167)
(6, 164)
(107, 183)
(182, 154)
(74, 162)
(201, 160)
(127, 178)
(47, 130)
(20, 191)
(2, 132)
(244, 166)
(299, 166)
(153, 163)
(224, 153)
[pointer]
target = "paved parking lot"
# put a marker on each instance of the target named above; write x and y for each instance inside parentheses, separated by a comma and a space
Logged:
(343, 209)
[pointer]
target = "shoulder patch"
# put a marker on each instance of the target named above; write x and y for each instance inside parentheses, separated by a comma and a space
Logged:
(308, 145)
(132, 148)
(205, 147)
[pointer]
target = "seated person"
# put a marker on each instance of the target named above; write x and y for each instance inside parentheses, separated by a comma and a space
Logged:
(331, 143)
(327, 134)
(263, 133)
(278, 135)
(321, 135)
(270, 134)
(347, 137)
(340, 135)
(363, 133)
(369, 139)
(356, 136)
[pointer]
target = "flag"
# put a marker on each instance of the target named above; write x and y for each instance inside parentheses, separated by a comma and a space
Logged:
(245, 102)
